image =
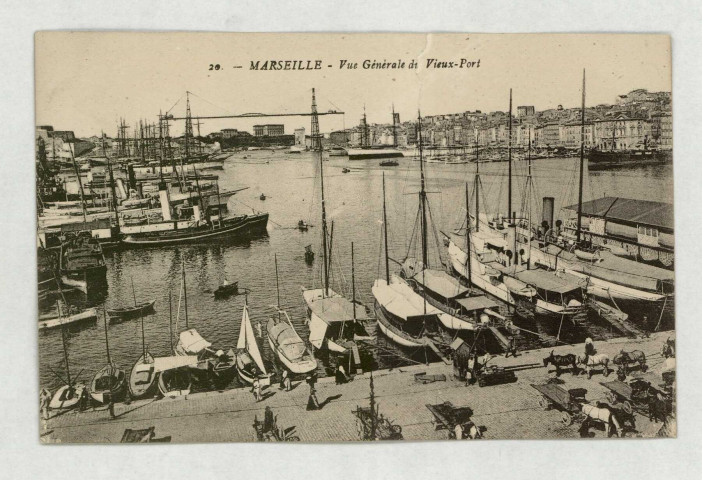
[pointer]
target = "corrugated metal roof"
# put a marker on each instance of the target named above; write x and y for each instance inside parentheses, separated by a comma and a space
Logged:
(642, 212)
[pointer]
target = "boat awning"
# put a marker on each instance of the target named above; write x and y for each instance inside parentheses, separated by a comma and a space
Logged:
(480, 302)
(336, 309)
(162, 364)
(548, 281)
(192, 342)
(440, 283)
(393, 301)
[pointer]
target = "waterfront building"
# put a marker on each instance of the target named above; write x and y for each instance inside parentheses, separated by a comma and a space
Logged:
(570, 134)
(269, 130)
(622, 133)
(662, 130)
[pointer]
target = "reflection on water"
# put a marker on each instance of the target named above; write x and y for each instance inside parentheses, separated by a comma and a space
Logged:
(354, 204)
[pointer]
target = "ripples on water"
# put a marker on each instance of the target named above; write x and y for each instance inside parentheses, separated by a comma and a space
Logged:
(354, 204)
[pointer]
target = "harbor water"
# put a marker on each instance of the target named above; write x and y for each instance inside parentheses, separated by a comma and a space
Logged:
(354, 204)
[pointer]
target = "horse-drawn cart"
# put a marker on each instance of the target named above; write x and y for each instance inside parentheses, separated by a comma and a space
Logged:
(633, 395)
(373, 426)
(568, 402)
(447, 416)
(494, 375)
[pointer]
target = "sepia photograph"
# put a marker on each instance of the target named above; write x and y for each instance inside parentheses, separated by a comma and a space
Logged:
(354, 237)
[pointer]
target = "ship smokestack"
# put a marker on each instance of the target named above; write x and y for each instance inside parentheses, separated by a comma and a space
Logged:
(547, 213)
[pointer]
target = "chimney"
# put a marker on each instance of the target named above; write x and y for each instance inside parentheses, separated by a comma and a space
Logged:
(547, 212)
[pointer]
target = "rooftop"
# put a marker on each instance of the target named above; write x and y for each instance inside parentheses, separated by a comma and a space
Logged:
(644, 212)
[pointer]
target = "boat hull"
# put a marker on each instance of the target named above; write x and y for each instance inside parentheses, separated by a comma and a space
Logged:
(117, 389)
(175, 383)
(393, 333)
(240, 227)
(60, 401)
(142, 378)
(87, 316)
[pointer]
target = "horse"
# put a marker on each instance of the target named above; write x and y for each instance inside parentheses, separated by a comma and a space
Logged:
(668, 350)
(594, 361)
(604, 414)
(625, 359)
(466, 430)
(559, 361)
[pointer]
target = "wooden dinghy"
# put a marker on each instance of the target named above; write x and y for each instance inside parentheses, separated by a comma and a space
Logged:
(142, 379)
(134, 311)
(108, 380)
(174, 376)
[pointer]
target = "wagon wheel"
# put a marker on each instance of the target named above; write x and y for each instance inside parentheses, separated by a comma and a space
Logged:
(544, 403)
(627, 407)
(611, 397)
(566, 418)
(396, 429)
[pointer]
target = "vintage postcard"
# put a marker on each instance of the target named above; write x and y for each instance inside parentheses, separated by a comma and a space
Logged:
(354, 237)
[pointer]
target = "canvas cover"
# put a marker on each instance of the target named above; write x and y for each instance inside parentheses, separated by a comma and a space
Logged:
(192, 342)
(163, 364)
(440, 282)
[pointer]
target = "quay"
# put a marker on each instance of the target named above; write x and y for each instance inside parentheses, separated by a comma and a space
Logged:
(508, 411)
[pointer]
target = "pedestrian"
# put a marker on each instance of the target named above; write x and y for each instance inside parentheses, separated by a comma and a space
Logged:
(283, 376)
(107, 398)
(341, 375)
(256, 389)
(511, 348)
(268, 421)
(287, 383)
(458, 431)
(589, 349)
(312, 402)
(44, 399)
(84, 400)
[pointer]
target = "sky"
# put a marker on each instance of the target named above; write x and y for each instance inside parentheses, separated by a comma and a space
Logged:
(86, 81)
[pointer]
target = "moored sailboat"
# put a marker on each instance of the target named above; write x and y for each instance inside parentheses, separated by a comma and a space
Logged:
(109, 383)
(249, 363)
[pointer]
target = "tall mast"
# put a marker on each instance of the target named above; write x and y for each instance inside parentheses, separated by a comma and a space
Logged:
(385, 236)
(107, 342)
(160, 143)
(277, 284)
(477, 184)
(530, 187)
(185, 294)
(509, 160)
(80, 183)
(353, 285)
(65, 352)
(170, 324)
(422, 196)
(582, 163)
(468, 266)
(394, 128)
(112, 184)
(317, 148)
(188, 127)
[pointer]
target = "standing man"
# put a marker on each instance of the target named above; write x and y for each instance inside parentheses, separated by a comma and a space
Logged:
(511, 347)
(256, 389)
(312, 402)
(589, 349)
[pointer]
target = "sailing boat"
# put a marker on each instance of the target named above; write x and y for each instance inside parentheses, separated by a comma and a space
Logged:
(441, 290)
(174, 379)
(285, 342)
(142, 379)
(495, 265)
(249, 364)
(67, 396)
(328, 311)
(190, 342)
(403, 321)
(109, 380)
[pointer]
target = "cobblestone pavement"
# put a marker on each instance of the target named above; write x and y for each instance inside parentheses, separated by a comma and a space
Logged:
(509, 411)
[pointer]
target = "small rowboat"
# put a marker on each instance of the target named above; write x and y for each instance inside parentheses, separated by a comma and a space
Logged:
(109, 380)
(288, 346)
(226, 289)
(142, 380)
(129, 312)
(67, 397)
